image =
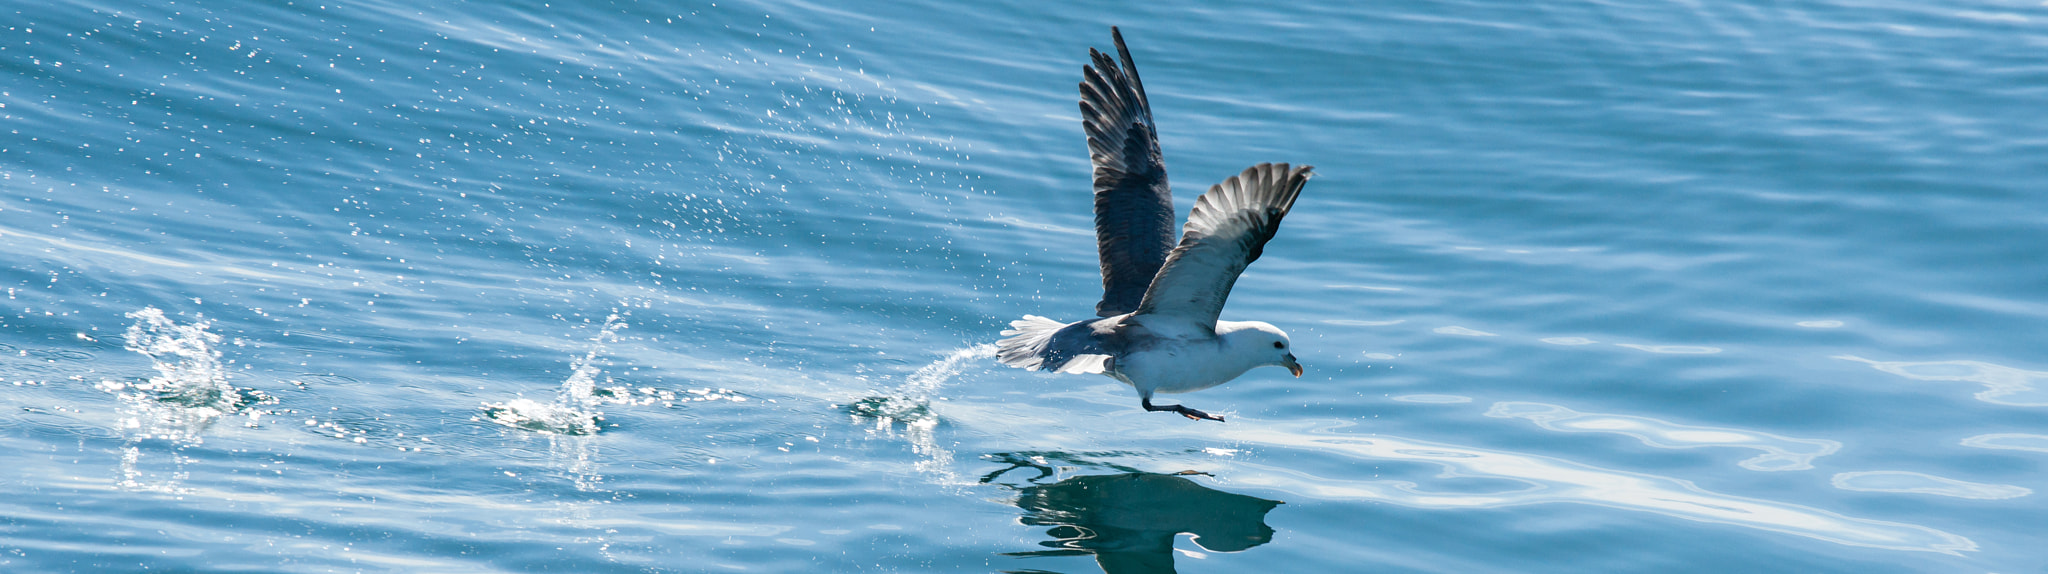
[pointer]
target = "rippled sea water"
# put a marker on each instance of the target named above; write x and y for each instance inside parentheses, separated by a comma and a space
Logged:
(340, 286)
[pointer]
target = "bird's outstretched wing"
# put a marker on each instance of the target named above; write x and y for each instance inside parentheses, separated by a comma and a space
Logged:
(1226, 231)
(1133, 205)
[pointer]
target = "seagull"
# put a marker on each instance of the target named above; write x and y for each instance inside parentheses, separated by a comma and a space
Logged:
(1157, 329)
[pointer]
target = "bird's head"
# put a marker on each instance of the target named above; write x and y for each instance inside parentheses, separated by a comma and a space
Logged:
(1264, 341)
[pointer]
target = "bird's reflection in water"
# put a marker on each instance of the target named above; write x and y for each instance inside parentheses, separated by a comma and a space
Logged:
(1128, 521)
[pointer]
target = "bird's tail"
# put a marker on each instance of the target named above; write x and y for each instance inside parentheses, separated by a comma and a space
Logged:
(1025, 342)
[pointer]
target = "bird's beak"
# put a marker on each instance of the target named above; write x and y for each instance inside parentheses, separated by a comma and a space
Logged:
(1292, 367)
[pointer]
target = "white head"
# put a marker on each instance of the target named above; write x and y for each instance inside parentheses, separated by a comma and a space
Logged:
(1265, 343)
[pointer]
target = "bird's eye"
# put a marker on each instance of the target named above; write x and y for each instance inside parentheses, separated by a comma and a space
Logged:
(1279, 345)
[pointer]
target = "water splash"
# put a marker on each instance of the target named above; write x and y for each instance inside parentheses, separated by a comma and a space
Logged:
(187, 396)
(1779, 453)
(189, 369)
(927, 380)
(911, 404)
(572, 418)
(574, 410)
(571, 421)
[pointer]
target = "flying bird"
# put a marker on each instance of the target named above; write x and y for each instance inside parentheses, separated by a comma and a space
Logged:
(1158, 330)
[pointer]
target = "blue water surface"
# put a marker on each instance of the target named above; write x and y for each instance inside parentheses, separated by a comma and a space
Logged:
(377, 286)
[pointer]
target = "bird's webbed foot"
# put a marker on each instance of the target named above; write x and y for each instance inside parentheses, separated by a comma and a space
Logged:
(1191, 414)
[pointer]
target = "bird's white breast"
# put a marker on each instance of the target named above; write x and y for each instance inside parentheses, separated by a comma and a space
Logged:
(1180, 366)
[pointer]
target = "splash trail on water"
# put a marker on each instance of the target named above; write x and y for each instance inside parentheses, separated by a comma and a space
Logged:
(574, 410)
(189, 393)
(911, 404)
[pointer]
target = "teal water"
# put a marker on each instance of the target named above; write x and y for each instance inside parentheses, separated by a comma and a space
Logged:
(692, 287)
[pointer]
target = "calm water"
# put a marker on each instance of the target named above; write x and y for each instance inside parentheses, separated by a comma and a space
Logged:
(682, 287)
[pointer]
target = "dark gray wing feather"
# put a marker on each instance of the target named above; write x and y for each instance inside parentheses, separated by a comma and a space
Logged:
(1133, 205)
(1226, 231)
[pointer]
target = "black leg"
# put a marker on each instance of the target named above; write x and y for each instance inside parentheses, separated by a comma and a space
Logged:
(1191, 414)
